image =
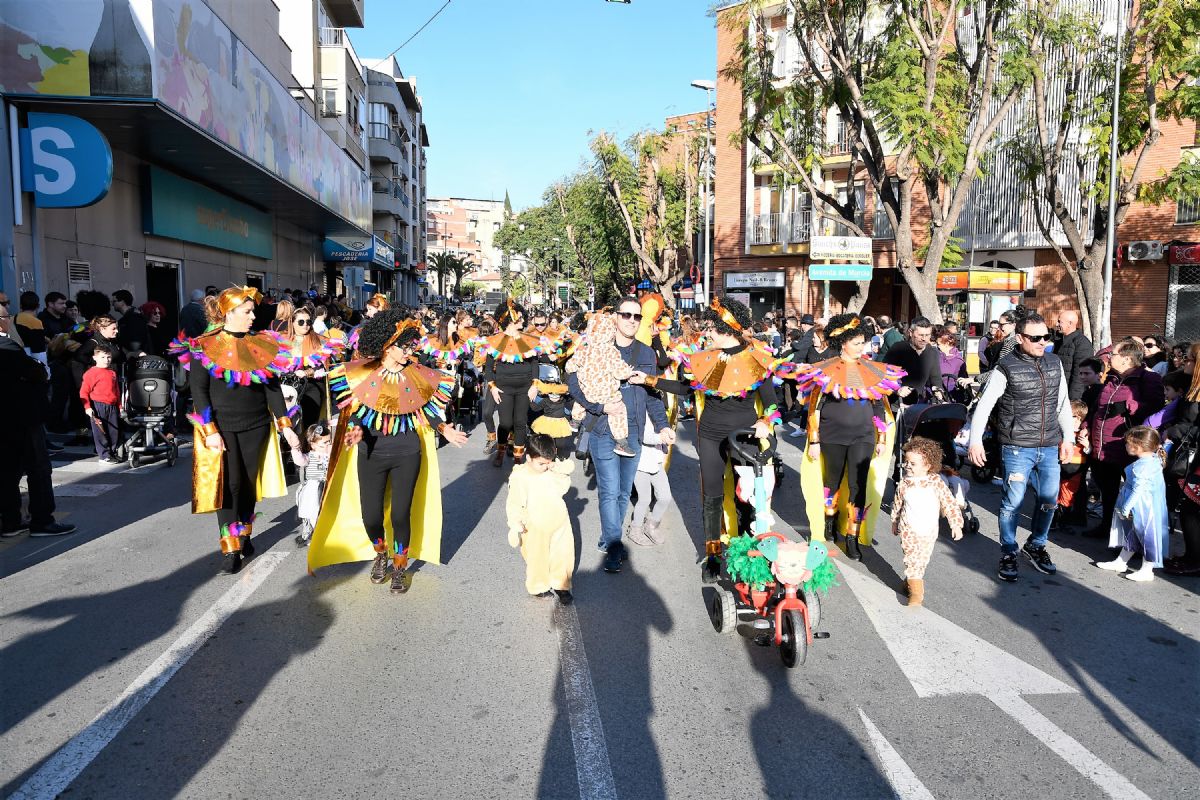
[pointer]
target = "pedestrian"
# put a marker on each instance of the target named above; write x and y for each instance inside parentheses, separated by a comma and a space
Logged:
(1028, 390)
(158, 337)
(850, 427)
(385, 456)
(1074, 466)
(102, 403)
(1183, 431)
(1007, 340)
(985, 341)
(951, 362)
(920, 362)
(487, 403)
(192, 319)
(509, 370)
(1156, 357)
(1129, 396)
(922, 499)
(889, 337)
(614, 475)
(132, 328)
(283, 315)
(539, 522)
(319, 438)
(239, 408)
(802, 345)
(29, 326)
(1072, 351)
(653, 490)
(600, 371)
(56, 325)
(1141, 523)
(1175, 386)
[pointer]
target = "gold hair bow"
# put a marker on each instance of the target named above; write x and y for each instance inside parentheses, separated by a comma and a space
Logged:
(725, 314)
(401, 327)
(849, 326)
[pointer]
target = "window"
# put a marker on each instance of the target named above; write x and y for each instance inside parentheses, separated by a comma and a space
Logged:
(860, 202)
(881, 226)
(1187, 211)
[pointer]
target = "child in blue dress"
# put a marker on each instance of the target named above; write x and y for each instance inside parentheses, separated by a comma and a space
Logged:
(1140, 524)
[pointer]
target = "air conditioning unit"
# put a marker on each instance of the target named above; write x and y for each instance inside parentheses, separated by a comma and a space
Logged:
(1144, 251)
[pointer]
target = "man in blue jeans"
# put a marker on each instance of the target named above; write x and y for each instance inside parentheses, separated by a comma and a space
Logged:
(1028, 390)
(614, 474)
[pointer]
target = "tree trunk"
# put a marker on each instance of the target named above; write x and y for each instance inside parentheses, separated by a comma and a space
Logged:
(1091, 296)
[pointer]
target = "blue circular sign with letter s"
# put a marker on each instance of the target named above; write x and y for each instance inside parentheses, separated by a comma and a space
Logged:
(65, 161)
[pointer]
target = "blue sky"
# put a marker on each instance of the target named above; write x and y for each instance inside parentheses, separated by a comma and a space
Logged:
(512, 87)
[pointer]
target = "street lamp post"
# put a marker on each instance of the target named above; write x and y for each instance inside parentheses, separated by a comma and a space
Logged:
(1114, 180)
(708, 87)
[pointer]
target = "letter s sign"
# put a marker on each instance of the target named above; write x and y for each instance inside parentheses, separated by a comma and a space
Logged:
(65, 161)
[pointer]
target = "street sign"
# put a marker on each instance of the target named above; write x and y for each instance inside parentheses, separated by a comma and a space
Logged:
(850, 249)
(839, 272)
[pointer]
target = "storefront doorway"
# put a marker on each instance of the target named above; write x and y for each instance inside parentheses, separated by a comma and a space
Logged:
(162, 286)
(763, 292)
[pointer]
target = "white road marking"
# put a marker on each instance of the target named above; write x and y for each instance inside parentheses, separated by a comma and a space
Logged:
(1111, 782)
(587, 733)
(83, 489)
(57, 773)
(89, 467)
(904, 781)
(940, 658)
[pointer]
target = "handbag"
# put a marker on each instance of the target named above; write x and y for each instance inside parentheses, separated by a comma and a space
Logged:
(584, 440)
(1183, 454)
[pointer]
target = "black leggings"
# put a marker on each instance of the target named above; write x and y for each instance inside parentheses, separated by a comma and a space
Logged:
(375, 469)
(243, 452)
(851, 460)
(1108, 479)
(514, 415)
(713, 453)
(1189, 523)
(487, 407)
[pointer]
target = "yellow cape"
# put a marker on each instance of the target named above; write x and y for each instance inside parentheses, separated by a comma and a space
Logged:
(813, 488)
(207, 466)
(340, 536)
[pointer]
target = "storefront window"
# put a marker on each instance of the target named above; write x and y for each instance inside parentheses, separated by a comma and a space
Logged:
(1183, 303)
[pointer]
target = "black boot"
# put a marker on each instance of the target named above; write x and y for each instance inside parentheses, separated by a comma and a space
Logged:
(831, 534)
(713, 513)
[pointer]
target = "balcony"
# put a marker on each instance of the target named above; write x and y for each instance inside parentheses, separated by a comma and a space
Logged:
(331, 37)
(769, 229)
(384, 143)
(348, 13)
(389, 197)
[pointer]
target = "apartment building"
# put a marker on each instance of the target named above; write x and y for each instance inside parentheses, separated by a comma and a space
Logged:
(764, 225)
(466, 227)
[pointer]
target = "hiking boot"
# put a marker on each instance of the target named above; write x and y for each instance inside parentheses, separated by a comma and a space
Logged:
(233, 562)
(380, 567)
(1039, 558)
(636, 534)
(1008, 567)
(498, 459)
(916, 591)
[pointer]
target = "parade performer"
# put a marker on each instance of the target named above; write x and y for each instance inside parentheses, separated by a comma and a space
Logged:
(600, 369)
(313, 355)
(922, 499)
(850, 434)
(538, 520)
(487, 403)
(510, 371)
(234, 379)
(383, 494)
(376, 304)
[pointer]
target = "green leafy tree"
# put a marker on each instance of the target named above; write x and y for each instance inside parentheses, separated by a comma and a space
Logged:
(1066, 146)
(920, 90)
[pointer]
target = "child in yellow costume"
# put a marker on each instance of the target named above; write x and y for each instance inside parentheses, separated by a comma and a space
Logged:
(538, 521)
(850, 435)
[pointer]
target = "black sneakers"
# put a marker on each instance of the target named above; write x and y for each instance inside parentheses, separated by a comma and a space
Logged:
(51, 529)
(1008, 567)
(1039, 558)
(401, 581)
(613, 556)
(564, 596)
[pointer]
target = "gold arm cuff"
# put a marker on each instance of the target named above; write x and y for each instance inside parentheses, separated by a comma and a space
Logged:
(207, 429)
(651, 381)
(282, 422)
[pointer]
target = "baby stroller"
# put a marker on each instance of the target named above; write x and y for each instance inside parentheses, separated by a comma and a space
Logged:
(767, 586)
(944, 423)
(464, 400)
(149, 404)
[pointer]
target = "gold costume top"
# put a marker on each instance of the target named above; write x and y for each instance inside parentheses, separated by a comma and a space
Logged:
(513, 350)
(850, 380)
(390, 401)
(242, 360)
(718, 373)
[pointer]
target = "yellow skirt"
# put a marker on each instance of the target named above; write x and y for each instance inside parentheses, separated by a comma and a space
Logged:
(555, 427)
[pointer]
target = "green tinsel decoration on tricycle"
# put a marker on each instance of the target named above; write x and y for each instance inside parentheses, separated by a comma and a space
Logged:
(755, 570)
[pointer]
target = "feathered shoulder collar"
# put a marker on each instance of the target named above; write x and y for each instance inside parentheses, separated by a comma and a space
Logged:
(445, 351)
(237, 358)
(722, 373)
(850, 380)
(554, 340)
(513, 350)
(390, 402)
(316, 351)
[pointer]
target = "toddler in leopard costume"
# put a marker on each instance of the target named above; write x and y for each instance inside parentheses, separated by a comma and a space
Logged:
(922, 499)
(598, 365)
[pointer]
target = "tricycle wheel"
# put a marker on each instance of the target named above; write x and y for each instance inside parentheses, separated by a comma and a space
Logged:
(135, 461)
(710, 570)
(793, 649)
(813, 601)
(723, 611)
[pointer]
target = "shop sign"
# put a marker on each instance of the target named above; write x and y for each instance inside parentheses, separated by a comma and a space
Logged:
(840, 272)
(1184, 254)
(177, 208)
(65, 161)
(348, 249)
(384, 255)
(976, 280)
(852, 249)
(754, 280)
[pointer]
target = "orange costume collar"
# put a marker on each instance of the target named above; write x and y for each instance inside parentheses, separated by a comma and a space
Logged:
(721, 374)
(513, 350)
(390, 402)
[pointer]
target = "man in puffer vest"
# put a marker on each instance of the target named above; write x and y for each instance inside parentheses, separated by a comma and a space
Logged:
(1028, 391)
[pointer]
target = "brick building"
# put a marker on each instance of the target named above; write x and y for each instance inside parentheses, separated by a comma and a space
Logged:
(763, 227)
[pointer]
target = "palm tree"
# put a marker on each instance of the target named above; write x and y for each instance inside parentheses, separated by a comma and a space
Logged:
(449, 264)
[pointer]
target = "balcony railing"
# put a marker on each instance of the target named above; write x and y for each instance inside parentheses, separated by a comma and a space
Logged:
(384, 131)
(799, 226)
(763, 229)
(387, 236)
(332, 37)
(789, 228)
(389, 186)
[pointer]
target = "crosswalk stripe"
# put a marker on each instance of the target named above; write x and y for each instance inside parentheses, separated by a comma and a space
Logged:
(904, 781)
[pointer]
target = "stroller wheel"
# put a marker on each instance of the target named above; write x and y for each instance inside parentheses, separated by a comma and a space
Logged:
(172, 453)
(723, 611)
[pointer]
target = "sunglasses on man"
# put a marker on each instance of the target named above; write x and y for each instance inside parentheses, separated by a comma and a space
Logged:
(629, 315)
(1041, 337)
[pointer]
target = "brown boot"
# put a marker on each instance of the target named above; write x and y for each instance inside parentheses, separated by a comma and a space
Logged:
(916, 591)
(498, 459)
(379, 567)
(490, 444)
(401, 577)
(518, 453)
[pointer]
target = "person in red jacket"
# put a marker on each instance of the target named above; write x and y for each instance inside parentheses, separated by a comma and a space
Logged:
(102, 404)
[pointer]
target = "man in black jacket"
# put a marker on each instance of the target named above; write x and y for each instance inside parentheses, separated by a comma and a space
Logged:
(23, 441)
(133, 332)
(920, 361)
(1073, 351)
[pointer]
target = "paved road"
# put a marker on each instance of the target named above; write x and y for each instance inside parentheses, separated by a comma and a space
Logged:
(132, 669)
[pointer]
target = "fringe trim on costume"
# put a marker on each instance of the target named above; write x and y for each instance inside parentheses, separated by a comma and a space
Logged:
(236, 529)
(331, 349)
(201, 419)
(390, 424)
(815, 378)
(772, 416)
(189, 350)
(430, 348)
(514, 358)
(880, 425)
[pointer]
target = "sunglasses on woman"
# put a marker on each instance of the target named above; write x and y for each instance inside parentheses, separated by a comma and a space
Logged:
(301, 323)
(629, 315)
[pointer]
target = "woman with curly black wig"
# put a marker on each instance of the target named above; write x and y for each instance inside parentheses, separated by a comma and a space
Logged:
(385, 455)
(849, 431)
(509, 371)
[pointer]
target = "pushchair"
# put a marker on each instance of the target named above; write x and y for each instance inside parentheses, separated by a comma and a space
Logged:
(149, 405)
(768, 588)
(465, 398)
(944, 424)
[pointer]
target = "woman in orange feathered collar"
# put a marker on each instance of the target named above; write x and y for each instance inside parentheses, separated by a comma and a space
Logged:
(509, 371)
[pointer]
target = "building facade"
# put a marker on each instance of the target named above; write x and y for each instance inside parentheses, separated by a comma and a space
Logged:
(764, 226)
(466, 227)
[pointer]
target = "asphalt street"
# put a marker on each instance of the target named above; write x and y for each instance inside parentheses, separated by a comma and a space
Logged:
(133, 669)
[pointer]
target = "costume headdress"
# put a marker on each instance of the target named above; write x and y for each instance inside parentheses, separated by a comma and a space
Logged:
(401, 327)
(849, 326)
(725, 314)
(234, 296)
